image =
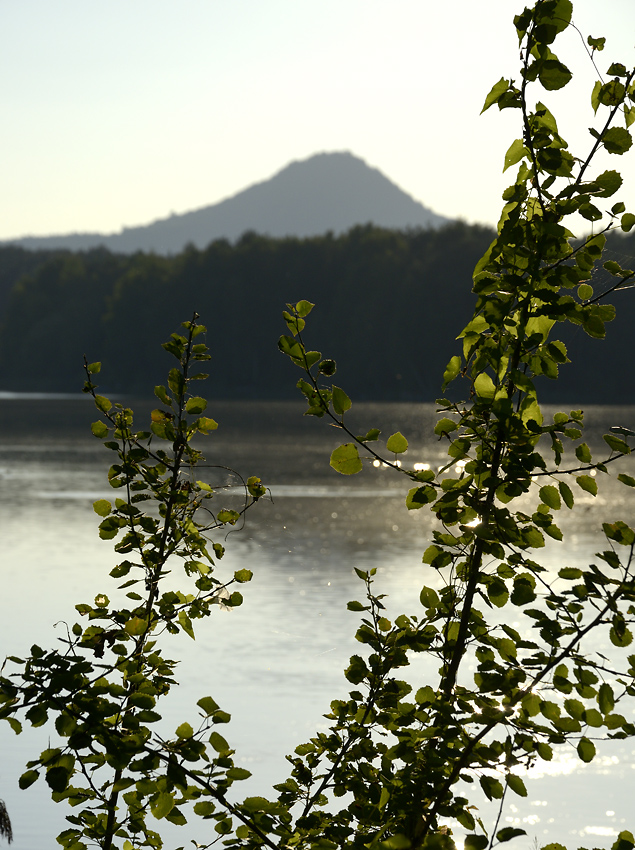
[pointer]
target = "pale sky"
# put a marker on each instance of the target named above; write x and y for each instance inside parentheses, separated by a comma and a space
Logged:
(119, 112)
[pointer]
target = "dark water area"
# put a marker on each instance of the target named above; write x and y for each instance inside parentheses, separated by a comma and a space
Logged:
(276, 662)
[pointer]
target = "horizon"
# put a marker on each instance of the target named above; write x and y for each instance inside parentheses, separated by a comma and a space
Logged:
(264, 181)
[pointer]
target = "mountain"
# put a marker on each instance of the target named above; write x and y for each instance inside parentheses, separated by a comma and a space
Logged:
(326, 192)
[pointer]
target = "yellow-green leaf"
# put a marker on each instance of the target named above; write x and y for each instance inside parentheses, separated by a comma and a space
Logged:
(102, 507)
(397, 443)
(346, 459)
(484, 386)
(136, 626)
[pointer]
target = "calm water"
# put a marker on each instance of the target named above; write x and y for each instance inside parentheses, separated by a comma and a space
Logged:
(275, 663)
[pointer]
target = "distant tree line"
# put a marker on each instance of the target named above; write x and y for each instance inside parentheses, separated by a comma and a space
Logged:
(372, 287)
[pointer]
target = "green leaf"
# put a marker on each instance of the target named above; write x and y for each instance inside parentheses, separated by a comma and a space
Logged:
(99, 429)
(292, 348)
(609, 182)
(186, 624)
(294, 323)
(619, 634)
(195, 405)
(586, 750)
(617, 140)
(14, 724)
(218, 742)
(203, 809)
(628, 220)
(606, 698)
(397, 443)
(346, 459)
(624, 841)
(497, 90)
(497, 592)
(475, 842)
(596, 43)
(243, 575)
(429, 598)
(550, 496)
(184, 731)
(28, 778)
(102, 403)
(303, 308)
(484, 386)
(255, 487)
(419, 496)
(516, 152)
(554, 75)
(238, 773)
(136, 626)
(585, 292)
(327, 368)
(587, 483)
(163, 805)
(523, 591)
(57, 778)
(370, 436)
(311, 358)
(102, 507)
(228, 517)
(509, 832)
(445, 426)
(341, 402)
(570, 573)
(162, 394)
(616, 444)
(256, 804)
(205, 425)
(451, 370)
(395, 842)
(208, 705)
(583, 453)
(492, 787)
(557, 15)
(567, 495)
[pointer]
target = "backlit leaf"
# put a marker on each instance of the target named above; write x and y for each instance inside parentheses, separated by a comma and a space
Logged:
(99, 429)
(346, 459)
(617, 140)
(341, 402)
(484, 386)
(515, 153)
(550, 496)
(587, 483)
(496, 91)
(554, 75)
(586, 750)
(195, 405)
(163, 805)
(451, 370)
(397, 443)
(102, 507)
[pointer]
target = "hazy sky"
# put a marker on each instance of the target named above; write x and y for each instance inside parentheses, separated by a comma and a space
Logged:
(117, 112)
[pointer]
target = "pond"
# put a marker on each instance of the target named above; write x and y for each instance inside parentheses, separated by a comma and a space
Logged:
(276, 662)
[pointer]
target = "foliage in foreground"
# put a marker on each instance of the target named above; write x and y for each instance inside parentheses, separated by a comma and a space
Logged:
(386, 774)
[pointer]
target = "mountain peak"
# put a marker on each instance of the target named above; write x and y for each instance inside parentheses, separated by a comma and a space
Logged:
(331, 191)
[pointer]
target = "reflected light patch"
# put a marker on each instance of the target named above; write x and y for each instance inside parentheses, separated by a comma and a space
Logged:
(608, 831)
